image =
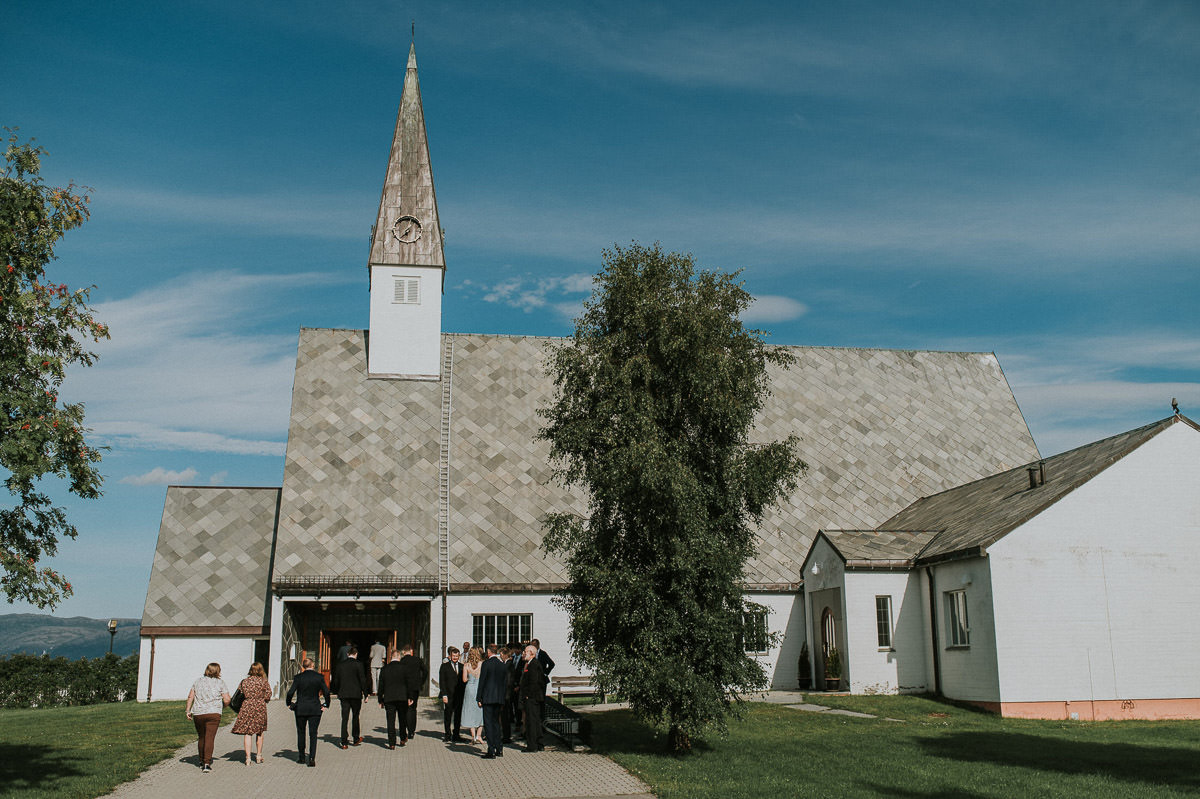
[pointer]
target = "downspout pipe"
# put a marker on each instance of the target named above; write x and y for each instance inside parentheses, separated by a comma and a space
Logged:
(150, 676)
(933, 633)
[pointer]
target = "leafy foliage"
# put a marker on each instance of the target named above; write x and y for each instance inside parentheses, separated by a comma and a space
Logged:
(33, 681)
(657, 394)
(43, 329)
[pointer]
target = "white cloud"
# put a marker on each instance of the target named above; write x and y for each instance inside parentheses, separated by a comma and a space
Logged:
(184, 369)
(530, 293)
(771, 308)
(160, 476)
(219, 478)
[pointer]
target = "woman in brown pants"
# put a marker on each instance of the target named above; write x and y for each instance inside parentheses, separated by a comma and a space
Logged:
(205, 701)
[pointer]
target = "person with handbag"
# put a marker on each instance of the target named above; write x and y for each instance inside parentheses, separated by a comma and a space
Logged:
(250, 703)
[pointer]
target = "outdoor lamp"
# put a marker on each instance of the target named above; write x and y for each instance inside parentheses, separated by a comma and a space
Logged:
(112, 634)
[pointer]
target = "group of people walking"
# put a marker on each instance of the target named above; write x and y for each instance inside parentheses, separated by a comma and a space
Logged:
(494, 693)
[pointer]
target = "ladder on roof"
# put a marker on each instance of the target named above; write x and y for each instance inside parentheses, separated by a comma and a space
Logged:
(444, 467)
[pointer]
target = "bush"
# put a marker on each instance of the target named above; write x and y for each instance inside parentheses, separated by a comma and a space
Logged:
(42, 681)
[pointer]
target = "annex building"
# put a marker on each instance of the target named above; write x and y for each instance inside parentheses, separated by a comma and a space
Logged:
(414, 486)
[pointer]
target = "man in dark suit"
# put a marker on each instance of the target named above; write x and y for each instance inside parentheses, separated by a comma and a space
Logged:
(414, 678)
(533, 698)
(393, 697)
(308, 697)
(351, 684)
(546, 661)
(450, 690)
(490, 695)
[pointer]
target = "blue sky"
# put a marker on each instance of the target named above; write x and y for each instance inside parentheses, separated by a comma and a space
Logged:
(1022, 178)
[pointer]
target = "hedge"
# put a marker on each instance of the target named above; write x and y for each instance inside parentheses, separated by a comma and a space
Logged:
(42, 681)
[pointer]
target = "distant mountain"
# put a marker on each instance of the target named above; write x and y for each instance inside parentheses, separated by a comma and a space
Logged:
(73, 638)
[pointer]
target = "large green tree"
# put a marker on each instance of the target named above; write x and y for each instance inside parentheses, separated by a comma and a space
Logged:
(657, 393)
(44, 328)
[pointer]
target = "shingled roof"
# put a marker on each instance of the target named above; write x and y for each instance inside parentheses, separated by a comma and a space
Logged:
(971, 517)
(212, 561)
(878, 429)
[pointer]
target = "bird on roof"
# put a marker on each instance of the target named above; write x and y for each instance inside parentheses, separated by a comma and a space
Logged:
(1175, 405)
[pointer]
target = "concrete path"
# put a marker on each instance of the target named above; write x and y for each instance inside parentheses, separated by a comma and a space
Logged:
(426, 767)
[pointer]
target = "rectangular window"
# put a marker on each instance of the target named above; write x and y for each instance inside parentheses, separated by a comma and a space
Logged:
(500, 628)
(754, 630)
(883, 621)
(956, 618)
(407, 291)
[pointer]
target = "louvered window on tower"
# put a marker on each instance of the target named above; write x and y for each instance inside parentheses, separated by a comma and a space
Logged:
(408, 291)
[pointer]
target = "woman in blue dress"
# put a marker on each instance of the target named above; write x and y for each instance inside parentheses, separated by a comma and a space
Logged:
(472, 713)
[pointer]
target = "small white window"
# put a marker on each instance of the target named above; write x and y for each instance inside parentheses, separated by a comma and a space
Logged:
(501, 628)
(407, 291)
(956, 618)
(883, 621)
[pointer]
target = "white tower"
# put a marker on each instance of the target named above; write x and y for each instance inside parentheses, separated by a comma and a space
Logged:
(407, 264)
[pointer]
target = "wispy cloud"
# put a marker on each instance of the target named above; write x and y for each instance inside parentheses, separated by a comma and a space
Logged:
(310, 214)
(185, 370)
(160, 476)
(771, 308)
(531, 292)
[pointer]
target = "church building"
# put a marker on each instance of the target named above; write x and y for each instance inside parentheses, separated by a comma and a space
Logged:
(414, 485)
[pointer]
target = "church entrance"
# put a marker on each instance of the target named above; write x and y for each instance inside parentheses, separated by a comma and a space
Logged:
(324, 628)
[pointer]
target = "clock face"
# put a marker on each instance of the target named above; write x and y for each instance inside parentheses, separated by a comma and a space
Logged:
(407, 229)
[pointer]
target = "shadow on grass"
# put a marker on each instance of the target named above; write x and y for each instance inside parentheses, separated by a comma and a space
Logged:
(1152, 765)
(617, 731)
(28, 767)
(951, 792)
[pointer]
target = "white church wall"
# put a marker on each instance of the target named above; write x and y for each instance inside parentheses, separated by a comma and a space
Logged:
(969, 672)
(900, 667)
(550, 623)
(785, 617)
(405, 338)
(1092, 593)
(180, 660)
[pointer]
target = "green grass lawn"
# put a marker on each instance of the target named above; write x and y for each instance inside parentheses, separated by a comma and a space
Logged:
(935, 750)
(86, 751)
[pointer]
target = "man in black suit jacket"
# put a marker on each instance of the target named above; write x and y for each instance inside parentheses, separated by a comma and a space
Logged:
(351, 684)
(414, 678)
(546, 661)
(393, 697)
(450, 690)
(490, 695)
(533, 698)
(308, 697)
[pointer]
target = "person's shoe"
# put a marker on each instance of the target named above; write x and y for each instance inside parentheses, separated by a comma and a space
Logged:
(357, 741)
(312, 761)
(403, 741)
(391, 746)
(300, 758)
(489, 756)
(500, 753)
(204, 769)
(445, 739)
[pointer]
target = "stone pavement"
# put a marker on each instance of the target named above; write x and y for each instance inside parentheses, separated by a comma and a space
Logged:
(426, 767)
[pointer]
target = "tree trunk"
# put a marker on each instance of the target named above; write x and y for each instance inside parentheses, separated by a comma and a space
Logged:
(678, 740)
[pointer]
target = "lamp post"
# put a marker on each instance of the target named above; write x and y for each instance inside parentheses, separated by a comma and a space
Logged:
(112, 634)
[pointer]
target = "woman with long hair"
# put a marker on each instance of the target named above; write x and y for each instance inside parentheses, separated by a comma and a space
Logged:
(472, 713)
(205, 701)
(252, 716)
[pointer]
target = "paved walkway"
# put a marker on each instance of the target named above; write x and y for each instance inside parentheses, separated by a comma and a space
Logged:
(426, 767)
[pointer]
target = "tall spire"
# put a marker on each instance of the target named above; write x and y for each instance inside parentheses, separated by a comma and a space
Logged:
(407, 230)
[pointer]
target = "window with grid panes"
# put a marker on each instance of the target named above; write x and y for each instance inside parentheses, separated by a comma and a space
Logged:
(500, 628)
(957, 628)
(754, 628)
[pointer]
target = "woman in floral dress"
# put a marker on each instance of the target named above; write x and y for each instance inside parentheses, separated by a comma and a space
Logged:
(252, 718)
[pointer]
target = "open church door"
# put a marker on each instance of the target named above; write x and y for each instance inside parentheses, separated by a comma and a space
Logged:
(323, 655)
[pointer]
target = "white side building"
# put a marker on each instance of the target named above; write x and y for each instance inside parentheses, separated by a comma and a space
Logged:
(1059, 589)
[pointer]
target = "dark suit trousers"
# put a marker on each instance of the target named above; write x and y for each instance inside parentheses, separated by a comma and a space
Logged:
(506, 720)
(350, 707)
(452, 716)
(396, 710)
(311, 722)
(491, 729)
(410, 719)
(533, 725)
